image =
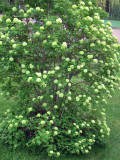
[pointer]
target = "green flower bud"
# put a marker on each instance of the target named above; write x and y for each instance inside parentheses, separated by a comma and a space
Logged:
(11, 125)
(8, 20)
(37, 8)
(42, 28)
(11, 59)
(51, 121)
(69, 132)
(48, 23)
(38, 80)
(24, 44)
(58, 154)
(56, 107)
(74, 6)
(23, 121)
(85, 70)
(81, 52)
(0, 42)
(61, 95)
(51, 152)
(90, 56)
(93, 121)
(30, 109)
(64, 45)
(92, 45)
(59, 20)
(14, 9)
(21, 11)
(55, 133)
(57, 68)
(54, 44)
(37, 33)
(42, 122)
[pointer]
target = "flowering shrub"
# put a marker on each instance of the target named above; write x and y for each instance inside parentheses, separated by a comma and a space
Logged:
(59, 63)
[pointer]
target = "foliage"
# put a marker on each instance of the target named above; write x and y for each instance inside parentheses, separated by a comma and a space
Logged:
(59, 62)
(97, 153)
(3, 5)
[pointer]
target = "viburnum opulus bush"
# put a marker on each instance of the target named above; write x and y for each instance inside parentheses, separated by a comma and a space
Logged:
(58, 61)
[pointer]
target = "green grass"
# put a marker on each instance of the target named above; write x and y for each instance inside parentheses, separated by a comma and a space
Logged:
(111, 151)
(115, 24)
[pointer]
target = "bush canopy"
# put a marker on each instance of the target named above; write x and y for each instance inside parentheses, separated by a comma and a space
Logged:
(58, 61)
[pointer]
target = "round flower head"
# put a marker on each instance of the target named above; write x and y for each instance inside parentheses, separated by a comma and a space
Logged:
(61, 95)
(55, 106)
(41, 28)
(69, 98)
(8, 20)
(38, 74)
(11, 59)
(58, 154)
(15, 20)
(16, 124)
(42, 122)
(38, 115)
(21, 11)
(85, 70)
(64, 45)
(20, 116)
(31, 66)
(48, 23)
(14, 45)
(81, 52)
(25, 15)
(69, 131)
(55, 132)
(22, 65)
(57, 68)
(37, 8)
(47, 132)
(59, 20)
(90, 56)
(74, 6)
(54, 44)
(38, 80)
(14, 9)
(2, 36)
(77, 99)
(30, 109)
(24, 44)
(86, 151)
(51, 152)
(11, 125)
(56, 128)
(27, 72)
(37, 33)
(48, 112)
(90, 3)
(44, 76)
(93, 121)
(95, 60)
(51, 121)
(23, 121)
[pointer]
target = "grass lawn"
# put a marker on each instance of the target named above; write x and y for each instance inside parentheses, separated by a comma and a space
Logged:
(115, 24)
(109, 152)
